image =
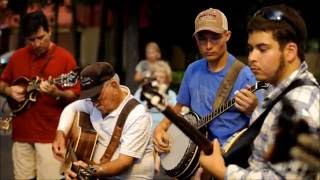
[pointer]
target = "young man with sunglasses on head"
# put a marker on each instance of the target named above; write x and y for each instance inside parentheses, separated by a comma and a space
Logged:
(202, 79)
(277, 36)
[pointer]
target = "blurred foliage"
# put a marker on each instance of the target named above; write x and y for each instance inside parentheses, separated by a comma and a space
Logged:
(313, 45)
(177, 77)
(176, 80)
(318, 77)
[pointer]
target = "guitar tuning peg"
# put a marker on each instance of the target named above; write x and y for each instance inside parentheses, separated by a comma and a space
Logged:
(184, 110)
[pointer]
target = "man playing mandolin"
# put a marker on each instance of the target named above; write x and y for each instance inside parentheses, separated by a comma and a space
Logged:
(34, 126)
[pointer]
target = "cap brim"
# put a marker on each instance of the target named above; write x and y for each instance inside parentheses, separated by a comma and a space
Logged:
(91, 92)
(212, 29)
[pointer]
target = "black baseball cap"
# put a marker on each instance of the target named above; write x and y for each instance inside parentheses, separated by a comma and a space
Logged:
(93, 77)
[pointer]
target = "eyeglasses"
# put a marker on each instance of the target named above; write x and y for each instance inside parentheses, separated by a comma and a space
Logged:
(275, 15)
(212, 39)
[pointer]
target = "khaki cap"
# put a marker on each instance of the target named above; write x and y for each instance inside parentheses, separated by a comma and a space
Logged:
(211, 20)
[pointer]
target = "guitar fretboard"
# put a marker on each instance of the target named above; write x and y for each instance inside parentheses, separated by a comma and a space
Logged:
(224, 107)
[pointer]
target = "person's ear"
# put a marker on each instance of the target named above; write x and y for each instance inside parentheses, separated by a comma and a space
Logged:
(159, 55)
(114, 83)
(196, 39)
(228, 35)
(290, 51)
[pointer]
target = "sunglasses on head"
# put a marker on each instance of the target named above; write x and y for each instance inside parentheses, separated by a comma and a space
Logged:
(275, 15)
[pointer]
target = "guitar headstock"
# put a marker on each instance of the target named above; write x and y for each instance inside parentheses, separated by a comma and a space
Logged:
(151, 92)
(68, 80)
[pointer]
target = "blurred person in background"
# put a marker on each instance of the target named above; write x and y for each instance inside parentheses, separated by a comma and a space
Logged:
(143, 68)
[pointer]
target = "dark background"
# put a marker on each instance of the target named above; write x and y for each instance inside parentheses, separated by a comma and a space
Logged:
(173, 21)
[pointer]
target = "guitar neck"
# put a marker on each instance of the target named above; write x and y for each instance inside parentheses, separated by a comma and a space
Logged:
(34, 85)
(56, 81)
(224, 107)
(195, 135)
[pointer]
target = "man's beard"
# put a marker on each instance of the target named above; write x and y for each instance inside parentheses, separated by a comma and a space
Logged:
(278, 73)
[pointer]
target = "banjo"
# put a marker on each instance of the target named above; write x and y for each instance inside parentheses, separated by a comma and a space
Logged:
(183, 159)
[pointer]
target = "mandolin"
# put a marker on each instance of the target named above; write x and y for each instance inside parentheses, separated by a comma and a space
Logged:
(31, 88)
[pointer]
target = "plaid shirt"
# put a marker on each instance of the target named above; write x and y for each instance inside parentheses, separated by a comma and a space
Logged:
(306, 100)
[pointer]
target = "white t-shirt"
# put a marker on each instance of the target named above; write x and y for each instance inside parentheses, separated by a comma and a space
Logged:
(135, 140)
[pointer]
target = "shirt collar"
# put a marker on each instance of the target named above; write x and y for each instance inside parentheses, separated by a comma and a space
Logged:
(285, 83)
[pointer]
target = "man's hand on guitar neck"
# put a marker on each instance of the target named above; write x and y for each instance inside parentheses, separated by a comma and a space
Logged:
(214, 163)
(246, 101)
(82, 171)
(47, 87)
(78, 166)
(59, 146)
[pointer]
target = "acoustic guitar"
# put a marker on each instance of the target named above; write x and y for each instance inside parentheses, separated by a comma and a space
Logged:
(31, 88)
(82, 140)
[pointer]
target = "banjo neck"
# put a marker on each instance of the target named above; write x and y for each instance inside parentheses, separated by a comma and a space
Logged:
(224, 107)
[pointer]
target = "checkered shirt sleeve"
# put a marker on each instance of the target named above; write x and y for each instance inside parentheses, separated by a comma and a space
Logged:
(306, 101)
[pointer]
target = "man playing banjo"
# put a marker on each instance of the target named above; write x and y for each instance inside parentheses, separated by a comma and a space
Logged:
(201, 82)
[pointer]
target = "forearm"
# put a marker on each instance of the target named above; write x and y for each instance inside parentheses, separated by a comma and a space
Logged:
(66, 119)
(68, 95)
(115, 167)
(68, 114)
(60, 134)
(164, 123)
(5, 88)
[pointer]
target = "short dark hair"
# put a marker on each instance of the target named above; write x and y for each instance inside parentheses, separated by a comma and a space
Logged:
(284, 22)
(31, 23)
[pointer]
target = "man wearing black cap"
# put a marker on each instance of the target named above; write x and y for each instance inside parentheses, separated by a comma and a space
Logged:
(103, 98)
(276, 41)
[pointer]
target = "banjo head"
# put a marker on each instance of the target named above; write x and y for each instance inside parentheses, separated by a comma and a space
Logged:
(182, 160)
(179, 143)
